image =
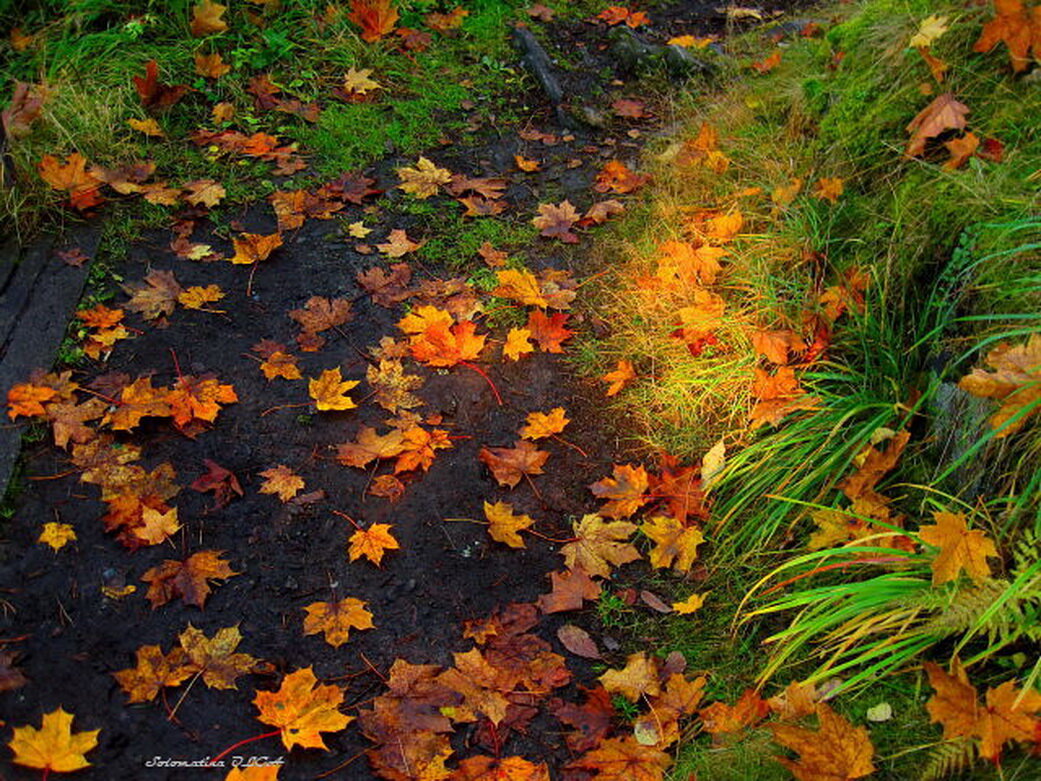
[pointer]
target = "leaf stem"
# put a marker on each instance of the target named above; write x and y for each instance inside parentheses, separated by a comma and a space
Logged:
(487, 379)
(234, 746)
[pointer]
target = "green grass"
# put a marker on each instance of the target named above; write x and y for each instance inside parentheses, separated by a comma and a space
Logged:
(88, 53)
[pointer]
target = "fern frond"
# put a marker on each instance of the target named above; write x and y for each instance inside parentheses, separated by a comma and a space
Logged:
(949, 759)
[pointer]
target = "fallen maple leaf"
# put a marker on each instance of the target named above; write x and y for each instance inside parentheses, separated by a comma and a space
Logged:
(372, 543)
(214, 658)
(336, 619)
(54, 746)
(943, 113)
(188, 579)
(625, 492)
(281, 481)
(954, 703)
(485, 768)
(153, 93)
(281, 364)
(960, 548)
(26, 399)
(929, 29)
(828, 189)
(768, 63)
(616, 177)
(518, 343)
(302, 709)
(508, 465)
(541, 424)
(329, 391)
(24, 109)
(548, 330)
(622, 374)
(600, 545)
(504, 524)
(320, 314)
(570, 589)
(198, 297)
(1015, 382)
(639, 677)
(376, 18)
(676, 545)
(836, 750)
(624, 759)
(555, 221)
(154, 296)
(211, 66)
(204, 192)
(424, 180)
(147, 126)
(206, 18)
(254, 247)
(57, 535)
(154, 671)
(691, 604)
(398, 244)
(1017, 26)
(721, 718)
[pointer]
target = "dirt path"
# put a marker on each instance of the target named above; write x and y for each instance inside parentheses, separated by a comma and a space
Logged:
(66, 615)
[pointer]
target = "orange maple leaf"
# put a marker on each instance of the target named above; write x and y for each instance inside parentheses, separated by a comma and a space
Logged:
(639, 677)
(302, 709)
(615, 759)
(1015, 382)
(555, 221)
(542, 424)
(620, 377)
(625, 491)
(749, 709)
(281, 481)
(548, 330)
(154, 671)
(836, 750)
(336, 619)
(1019, 27)
(254, 247)
(960, 548)
(504, 524)
(508, 465)
(206, 19)
(372, 543)
(27, 399)
(376, 18)
(617, 177)
(215, 658)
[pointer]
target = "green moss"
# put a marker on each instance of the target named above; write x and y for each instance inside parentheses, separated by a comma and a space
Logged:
(457, 240)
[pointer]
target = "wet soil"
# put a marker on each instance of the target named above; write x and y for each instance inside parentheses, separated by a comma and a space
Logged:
(68, 637)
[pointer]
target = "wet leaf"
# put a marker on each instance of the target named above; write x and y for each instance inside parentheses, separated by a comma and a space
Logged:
(57, 535)
(336, 619)
(215, 657)
(188, 579)
(281, 481)
(329, 391)
(504, 524)
(571, 589)
(423, 180)
(54, 746)
(600, 545)
(509, 465)
(372, 543)
(960, 548)
(578, 641)
(302, 709)
(154, 670)
(541, 424)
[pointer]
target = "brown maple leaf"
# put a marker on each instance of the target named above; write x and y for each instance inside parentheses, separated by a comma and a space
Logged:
(24, 109)
(222, 482)
(942, 114)
(555, 221)
(592, 719)
(206, 18)
(387, 289)
(155, 296)
(188, 579)
(571, 588)
(254, 247)
(509, 465)
(154, 671)
(320, 314)
(1017, 26)
(153, 93)
(639, 677)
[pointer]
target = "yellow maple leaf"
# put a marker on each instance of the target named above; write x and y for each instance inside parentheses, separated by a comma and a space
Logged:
(53, 747)
(197, 297)
(960, 548)
(542, 424)
(147, 126)
(424, 180)
(329, 391)
(372, 543)
(206, 18)
(504, 524)
(57, 535)
(1015, 382)
(521, 286)
(623, 373)
(638, 677)
(691, 604)
(518, 343)
(676, 545)
(600, 545)
(358, 81)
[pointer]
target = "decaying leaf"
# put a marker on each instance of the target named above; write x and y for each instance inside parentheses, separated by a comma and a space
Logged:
(509, 465)
(600, 545)
(837, 747)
